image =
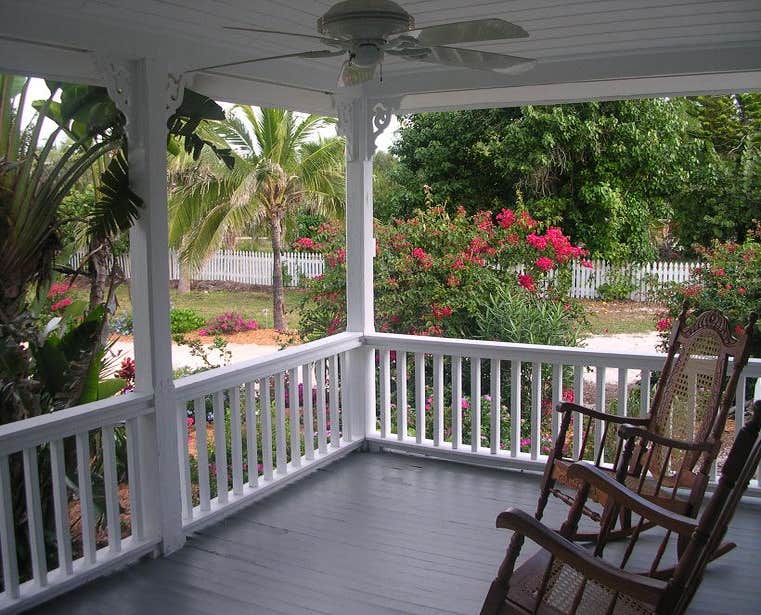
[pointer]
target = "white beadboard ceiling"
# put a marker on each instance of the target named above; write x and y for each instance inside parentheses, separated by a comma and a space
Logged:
(586, 49)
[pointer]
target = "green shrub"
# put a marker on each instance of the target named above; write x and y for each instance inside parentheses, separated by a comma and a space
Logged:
(511, 314)
(618, 285)
(184, 320)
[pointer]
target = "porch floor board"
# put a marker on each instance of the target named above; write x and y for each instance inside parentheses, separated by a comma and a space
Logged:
(375, 534)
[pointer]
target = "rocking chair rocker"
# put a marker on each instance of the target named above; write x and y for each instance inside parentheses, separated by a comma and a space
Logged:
(564, 577)
(686, 420)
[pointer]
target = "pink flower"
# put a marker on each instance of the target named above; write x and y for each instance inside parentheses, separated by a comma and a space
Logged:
(540, 243)
(59, 305)
(719, 272)
(58, 288)
(569, 395)
(304, 243)
(527, 282)
(190, 421)
(544, 263)
(464, 404)
(525, 442)
(587, 263)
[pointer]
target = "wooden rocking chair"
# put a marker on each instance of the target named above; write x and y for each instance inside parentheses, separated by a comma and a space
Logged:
(690, 406)
(564, 577)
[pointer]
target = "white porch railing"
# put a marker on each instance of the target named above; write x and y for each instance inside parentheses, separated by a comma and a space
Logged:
(310, 424)
(80, 443)
(248, 411)
(408, 396)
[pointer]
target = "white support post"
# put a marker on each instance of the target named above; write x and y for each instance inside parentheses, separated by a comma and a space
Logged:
(360, 122)
(147, 94)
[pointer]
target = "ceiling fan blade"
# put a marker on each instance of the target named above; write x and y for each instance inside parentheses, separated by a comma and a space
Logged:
(467, 32)
(351, 74)
(325, 40)
(319, 53)
(470, 58)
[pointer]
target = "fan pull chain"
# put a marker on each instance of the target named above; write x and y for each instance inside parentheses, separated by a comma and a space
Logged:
(381, 73)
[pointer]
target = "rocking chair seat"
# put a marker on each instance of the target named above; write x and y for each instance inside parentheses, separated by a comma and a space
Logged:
(563, 586)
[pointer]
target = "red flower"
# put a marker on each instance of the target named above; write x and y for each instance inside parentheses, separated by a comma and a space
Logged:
(569, 395)
(423, 258)
(58, 288)
(739, 330)
(719, 272)
(59, 305)
(527, 282)
(664, 324)
(442, 312)
(587, 263)
(544, 263)
(741, 291)
(506, 218)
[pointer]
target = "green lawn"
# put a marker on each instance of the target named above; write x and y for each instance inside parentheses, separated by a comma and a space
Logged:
(620, 317)
(252, 304)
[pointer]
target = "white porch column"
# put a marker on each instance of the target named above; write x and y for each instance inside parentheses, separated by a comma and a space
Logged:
(360, 121)
(147, 94)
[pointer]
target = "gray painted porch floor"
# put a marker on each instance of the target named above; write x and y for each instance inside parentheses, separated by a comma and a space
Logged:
(371, 533)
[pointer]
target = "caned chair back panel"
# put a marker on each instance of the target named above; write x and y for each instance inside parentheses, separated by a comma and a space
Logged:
(689, 405)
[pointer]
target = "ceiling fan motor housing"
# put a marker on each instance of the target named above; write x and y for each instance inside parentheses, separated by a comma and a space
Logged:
(365, 20)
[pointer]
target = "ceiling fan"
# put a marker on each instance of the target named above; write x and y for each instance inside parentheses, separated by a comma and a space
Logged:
(366, 30)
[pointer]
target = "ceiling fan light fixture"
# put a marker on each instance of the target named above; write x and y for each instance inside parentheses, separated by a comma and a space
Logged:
(365, 19)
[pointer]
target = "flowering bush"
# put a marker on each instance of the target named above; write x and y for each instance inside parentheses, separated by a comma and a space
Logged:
(229, 322)
(730, 281)
(434, 271)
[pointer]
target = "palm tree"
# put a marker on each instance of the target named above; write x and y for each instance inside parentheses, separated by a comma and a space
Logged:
(280, 168)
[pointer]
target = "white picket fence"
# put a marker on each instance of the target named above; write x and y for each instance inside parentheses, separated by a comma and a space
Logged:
(239, 266)
(256, 268)
(645, 277)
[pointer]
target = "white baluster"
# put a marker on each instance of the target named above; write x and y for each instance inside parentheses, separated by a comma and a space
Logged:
(135, 481)
(183, 458)
(335, 410)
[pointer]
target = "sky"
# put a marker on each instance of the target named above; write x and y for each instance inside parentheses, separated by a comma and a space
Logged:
(38, 90)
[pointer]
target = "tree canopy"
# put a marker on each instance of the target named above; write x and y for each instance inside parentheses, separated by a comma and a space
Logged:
(613, 173)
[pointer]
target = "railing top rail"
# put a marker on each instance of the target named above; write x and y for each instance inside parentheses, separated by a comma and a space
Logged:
(527, 352)
(213, 380)
(37, 430)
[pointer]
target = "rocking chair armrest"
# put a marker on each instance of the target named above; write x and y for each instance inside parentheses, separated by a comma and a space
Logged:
(621, 494)
(637, 586)
(627, 432)
(602, 416)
